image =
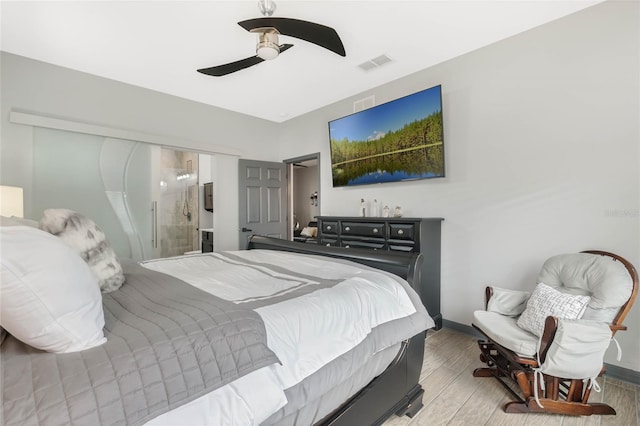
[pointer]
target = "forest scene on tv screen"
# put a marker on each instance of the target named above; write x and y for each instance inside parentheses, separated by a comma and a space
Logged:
(398, 140)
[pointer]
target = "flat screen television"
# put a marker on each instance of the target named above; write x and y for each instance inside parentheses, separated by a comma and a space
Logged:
(395, 141)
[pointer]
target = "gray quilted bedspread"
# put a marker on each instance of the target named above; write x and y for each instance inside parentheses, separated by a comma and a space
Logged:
(168, 343)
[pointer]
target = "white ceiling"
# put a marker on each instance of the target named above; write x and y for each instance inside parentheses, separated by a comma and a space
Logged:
(160, 44)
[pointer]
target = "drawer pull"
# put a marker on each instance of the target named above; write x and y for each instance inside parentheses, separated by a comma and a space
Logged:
(375, 230)
(328, 227)
(400, 232)
(347, 229)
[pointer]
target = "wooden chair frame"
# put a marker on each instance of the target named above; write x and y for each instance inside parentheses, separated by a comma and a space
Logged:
(561, 396)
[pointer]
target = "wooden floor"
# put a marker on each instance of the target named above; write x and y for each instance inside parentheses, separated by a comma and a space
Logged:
(452, 396)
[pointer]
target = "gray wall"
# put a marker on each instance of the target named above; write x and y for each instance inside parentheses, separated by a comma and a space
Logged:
(542, 156)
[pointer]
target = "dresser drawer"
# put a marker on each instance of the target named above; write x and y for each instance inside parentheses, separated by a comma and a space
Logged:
(329, 242)
(375, 229)
(371, 245)
(330, 227)
(408, 247)
(402, 231)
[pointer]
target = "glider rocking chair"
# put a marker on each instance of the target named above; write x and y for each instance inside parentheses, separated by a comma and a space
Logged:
(551, 342)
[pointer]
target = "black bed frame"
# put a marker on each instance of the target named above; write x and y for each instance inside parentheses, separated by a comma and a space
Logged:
(396, 390)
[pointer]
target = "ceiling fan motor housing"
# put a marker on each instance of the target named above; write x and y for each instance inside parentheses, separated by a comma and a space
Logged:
(268, 47)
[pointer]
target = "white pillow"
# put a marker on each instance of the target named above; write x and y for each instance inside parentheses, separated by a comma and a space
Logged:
(86, 238)
(546, 301)
(49, 297)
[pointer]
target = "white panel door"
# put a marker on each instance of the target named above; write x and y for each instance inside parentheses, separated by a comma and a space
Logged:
(262, 200)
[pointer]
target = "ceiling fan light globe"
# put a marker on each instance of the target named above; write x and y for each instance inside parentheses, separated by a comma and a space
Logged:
(267, 52)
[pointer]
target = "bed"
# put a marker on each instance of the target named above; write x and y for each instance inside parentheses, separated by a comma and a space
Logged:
(177, 354)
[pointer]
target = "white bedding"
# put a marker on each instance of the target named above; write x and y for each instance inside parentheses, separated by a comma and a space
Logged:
(305, 333)
(249, 400)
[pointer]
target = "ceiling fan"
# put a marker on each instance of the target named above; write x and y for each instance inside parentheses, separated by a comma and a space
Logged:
(268, 47)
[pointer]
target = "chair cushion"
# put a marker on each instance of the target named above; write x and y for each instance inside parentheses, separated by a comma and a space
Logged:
(504, 331)
(546, 301)
(578, 349)
(605, 280)
(508, 302)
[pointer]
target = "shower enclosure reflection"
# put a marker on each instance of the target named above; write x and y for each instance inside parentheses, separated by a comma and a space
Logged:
(178, 206)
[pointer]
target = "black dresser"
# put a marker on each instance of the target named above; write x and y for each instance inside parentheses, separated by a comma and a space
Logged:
(419, 235)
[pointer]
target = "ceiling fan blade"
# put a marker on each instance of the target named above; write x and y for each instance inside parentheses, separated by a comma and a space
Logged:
(284, 47)
(314, 33)
(221, 70)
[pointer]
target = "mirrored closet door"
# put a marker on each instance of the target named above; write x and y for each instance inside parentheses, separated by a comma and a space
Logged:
(143, 196)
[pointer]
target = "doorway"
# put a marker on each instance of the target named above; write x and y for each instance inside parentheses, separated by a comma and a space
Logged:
(303, 192)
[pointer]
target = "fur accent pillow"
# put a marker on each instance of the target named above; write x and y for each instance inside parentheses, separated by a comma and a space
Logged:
(85, 237)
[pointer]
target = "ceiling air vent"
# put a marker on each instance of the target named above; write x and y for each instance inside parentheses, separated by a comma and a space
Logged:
(364, 103)
(375, 63)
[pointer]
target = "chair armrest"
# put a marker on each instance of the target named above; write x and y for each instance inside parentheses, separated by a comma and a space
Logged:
(550, 328)
(506, 301)
(488, 292)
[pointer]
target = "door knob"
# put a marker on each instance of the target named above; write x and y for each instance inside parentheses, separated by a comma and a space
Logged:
(246, 229)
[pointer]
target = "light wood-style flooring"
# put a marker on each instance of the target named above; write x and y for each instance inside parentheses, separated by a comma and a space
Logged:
(452, 396)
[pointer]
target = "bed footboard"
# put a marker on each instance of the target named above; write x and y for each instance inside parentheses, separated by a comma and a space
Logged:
(395, 391)
(405, 265)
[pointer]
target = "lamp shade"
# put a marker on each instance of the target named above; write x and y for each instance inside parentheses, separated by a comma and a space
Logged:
(11, 201)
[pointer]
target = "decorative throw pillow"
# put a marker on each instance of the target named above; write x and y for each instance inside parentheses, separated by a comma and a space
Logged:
(85, 237)
(546, 301)
(50, 298)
